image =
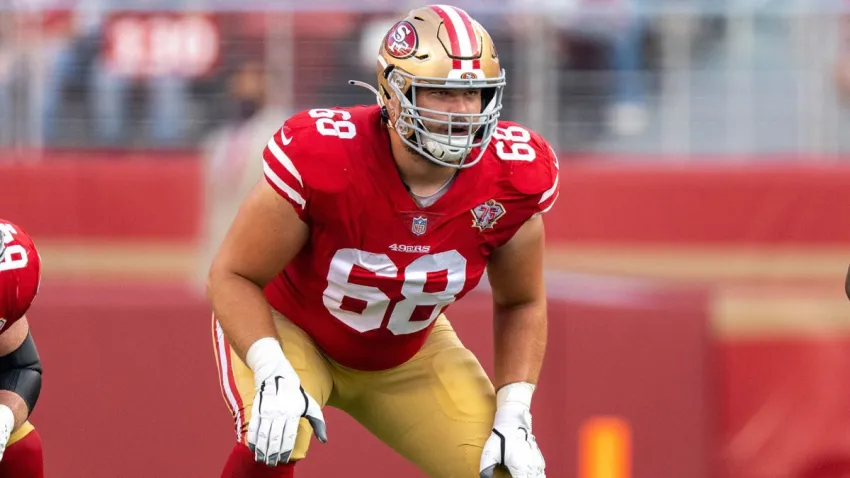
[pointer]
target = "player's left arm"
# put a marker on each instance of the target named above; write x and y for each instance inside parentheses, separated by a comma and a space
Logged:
(519, 314)
(20, 378)
(515, 273)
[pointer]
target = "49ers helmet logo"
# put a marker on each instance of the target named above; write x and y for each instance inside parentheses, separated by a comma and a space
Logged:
(402, 40)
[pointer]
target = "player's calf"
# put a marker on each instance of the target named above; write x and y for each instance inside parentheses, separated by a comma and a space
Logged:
(241, 464)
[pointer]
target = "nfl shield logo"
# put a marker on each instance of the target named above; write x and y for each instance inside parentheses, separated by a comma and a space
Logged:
(420, 224)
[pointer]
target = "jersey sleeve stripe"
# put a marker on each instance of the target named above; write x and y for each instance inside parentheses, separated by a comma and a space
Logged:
(551, 203)
(282, 187)
(549, 192)
(284, 160)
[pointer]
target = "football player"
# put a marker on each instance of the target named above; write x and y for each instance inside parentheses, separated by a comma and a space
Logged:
(331, 285)
(20, 366)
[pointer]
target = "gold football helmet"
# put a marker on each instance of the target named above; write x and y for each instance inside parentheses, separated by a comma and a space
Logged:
(440, 46)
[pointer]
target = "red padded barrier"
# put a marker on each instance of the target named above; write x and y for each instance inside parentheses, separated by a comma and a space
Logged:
(131, 389)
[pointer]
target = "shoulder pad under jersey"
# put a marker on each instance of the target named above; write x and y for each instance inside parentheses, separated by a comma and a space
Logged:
(313, 151)
(20, 272)
(529, 165)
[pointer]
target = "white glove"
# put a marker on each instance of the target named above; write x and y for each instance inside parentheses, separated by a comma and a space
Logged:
(279, 404)
(511, 444)
(7, 425)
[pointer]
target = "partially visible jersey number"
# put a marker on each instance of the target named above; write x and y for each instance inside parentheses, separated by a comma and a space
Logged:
(513, 144)
(328, 126)
(14, 256)
(432, 280)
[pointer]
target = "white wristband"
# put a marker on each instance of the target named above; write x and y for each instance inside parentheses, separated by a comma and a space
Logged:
(515, 393)
(264, 352)
(7, 419)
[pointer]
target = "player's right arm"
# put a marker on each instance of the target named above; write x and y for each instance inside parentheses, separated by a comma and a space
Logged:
(268, 231)
(266, 234)
(263, 238)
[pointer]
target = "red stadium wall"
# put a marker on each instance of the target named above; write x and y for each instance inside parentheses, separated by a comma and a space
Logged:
(781, 408)
(131, 387)
(606, 201)
(719, 201)
(104, 196)
(786, 407)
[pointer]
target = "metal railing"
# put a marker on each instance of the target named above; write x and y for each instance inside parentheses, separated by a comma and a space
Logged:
(653, 78)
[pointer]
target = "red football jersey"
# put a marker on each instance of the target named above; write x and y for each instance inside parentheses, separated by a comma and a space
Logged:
(20, 273)
(378, 269)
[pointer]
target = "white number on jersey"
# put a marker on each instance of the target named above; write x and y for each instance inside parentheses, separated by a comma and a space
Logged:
(516, 139)
(327, 126)
(414, 289)
(15, 256)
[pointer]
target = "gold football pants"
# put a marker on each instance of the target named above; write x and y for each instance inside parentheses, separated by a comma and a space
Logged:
(436, 410)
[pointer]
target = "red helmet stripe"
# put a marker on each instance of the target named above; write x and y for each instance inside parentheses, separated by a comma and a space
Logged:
(475, 47)
(452, 31)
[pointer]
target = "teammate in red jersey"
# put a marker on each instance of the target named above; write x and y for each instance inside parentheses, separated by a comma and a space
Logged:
(20, 366)
(370, 223)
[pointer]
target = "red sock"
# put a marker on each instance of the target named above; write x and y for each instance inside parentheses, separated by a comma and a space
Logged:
(241, 464)
(25, 458)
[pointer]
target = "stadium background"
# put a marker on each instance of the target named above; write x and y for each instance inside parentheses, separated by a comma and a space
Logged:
(696, 254)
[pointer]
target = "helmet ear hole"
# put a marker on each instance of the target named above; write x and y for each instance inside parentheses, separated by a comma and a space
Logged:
(389, 69)
(487, 95)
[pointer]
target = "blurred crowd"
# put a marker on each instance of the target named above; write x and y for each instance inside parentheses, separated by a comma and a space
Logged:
(598, 75)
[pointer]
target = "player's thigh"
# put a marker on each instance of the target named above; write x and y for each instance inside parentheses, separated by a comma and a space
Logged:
(237, 380)
(20, 433)
(24, 456)
(436, 410)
